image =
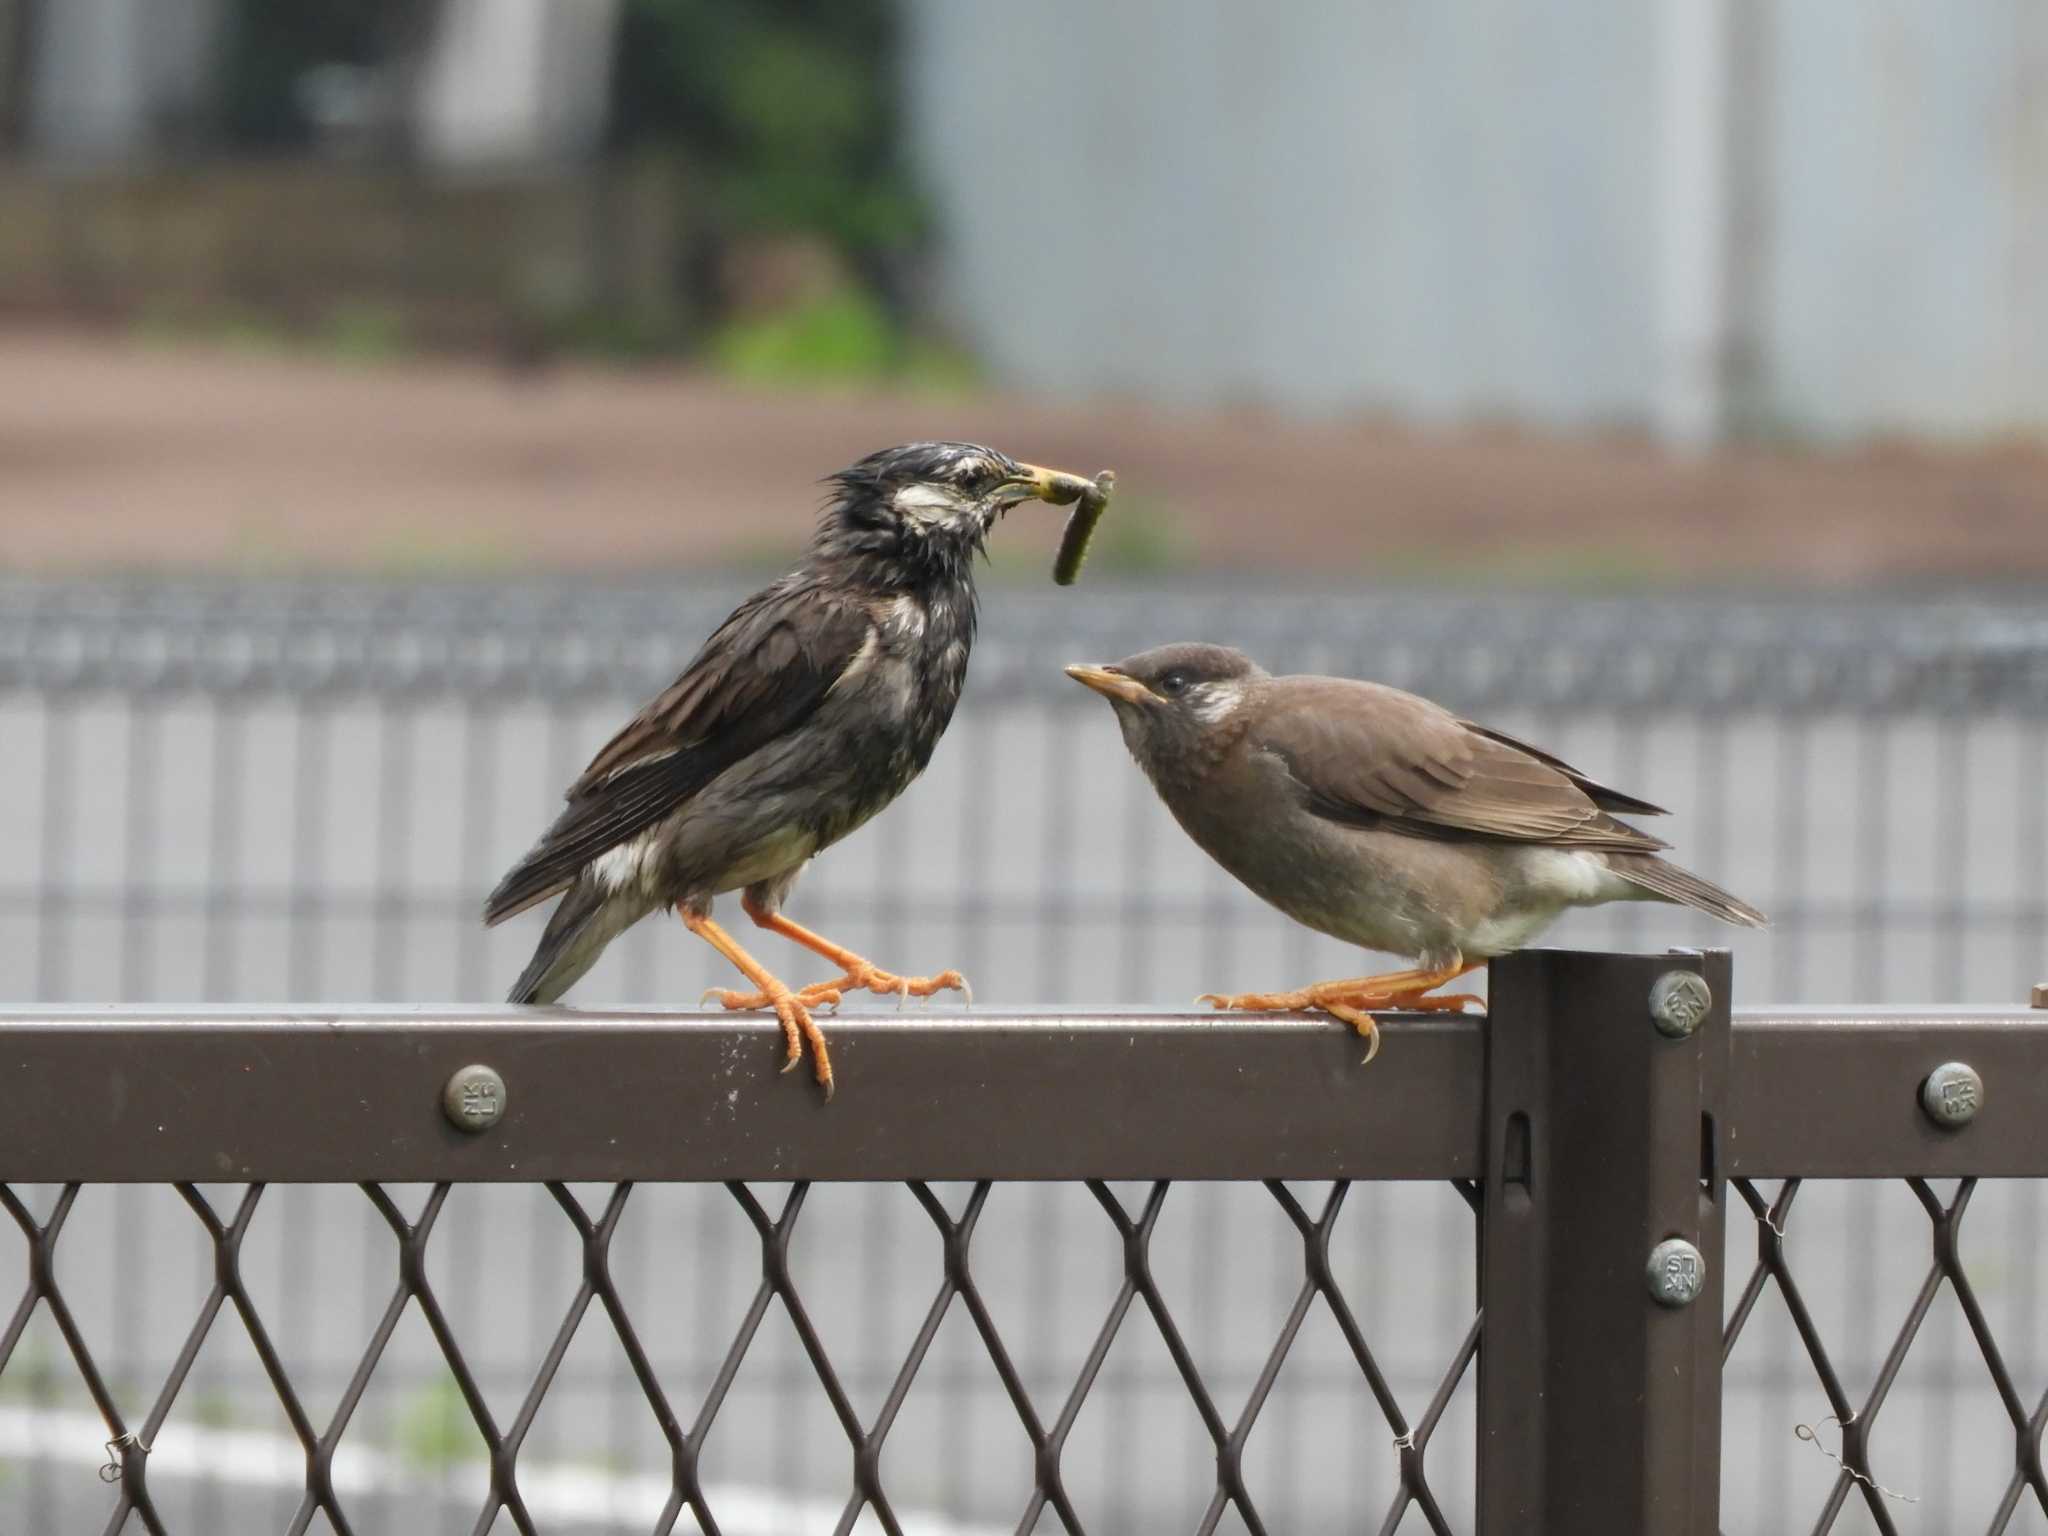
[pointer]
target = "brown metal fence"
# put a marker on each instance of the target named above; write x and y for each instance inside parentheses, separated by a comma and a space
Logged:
(1595, 1126)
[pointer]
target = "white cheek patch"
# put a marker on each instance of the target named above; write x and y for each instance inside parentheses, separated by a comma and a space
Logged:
(1212, 702)
(927, 502)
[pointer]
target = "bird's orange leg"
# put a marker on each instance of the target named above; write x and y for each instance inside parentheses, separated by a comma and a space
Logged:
(860, 974)
(1355, 999)
(798, 1028)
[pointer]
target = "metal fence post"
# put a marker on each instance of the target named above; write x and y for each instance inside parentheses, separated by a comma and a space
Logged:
(1600, 1349)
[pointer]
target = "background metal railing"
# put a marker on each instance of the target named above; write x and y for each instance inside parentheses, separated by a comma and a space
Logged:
(255, 791)
(1582, 1134)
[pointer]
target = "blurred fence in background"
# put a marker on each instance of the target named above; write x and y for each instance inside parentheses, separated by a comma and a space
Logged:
(259, 792)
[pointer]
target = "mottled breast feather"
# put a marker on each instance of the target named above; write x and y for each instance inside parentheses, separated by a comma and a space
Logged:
(907, 683)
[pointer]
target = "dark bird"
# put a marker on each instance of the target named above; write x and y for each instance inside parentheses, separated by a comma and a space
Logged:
(807, 711)
(1383, 819)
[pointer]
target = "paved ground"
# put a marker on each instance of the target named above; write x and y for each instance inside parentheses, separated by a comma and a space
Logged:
(124, 453)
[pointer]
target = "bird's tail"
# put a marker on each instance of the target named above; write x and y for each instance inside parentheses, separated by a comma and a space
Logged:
(577, 932)
(1670, 883)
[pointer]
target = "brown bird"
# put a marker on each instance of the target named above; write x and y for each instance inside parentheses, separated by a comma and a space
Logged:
(1380, 818)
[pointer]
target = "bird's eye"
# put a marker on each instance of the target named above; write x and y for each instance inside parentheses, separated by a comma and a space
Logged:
(1174, 683)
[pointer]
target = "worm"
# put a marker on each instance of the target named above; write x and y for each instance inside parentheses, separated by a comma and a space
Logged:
(1088, 510)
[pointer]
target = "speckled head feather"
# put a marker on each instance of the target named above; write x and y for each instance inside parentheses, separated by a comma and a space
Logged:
(916, 513)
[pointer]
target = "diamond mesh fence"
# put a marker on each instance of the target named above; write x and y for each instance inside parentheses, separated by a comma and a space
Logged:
(776, 1374)
(255, 792)
(1950, 1339)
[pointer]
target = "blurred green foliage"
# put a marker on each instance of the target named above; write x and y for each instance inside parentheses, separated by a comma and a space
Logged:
(786, 107)
(435, 1429)
(843, 337)
(362, 331)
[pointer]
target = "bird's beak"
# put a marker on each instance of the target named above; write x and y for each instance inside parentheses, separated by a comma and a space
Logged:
(1111, 683)
(1051, 485)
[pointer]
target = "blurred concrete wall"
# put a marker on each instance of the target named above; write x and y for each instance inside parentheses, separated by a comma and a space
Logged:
(1824, 218)
(1904, 210)
(1424, 208)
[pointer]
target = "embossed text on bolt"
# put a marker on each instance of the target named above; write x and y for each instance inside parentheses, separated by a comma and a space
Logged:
(1952, 1093)
(1679, 1000)
(474, 1098)
(1677, 1272)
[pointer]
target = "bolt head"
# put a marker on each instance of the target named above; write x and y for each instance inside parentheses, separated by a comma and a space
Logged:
(1677, 1272)
(1952, 1094)
(474, 1099)
(1679, 1000)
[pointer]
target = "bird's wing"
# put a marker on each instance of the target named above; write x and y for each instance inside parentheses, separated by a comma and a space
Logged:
(760, 675)
(1608, 799)
(1368, 755)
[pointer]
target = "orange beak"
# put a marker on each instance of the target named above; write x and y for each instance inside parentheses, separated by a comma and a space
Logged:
(1111, 683)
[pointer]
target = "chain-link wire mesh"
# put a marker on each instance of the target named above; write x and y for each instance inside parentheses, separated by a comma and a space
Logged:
(1952, 1344)
(180, 1452)
(266, 791)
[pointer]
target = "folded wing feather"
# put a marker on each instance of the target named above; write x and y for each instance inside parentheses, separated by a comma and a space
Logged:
(1369, 755)
(760, 675)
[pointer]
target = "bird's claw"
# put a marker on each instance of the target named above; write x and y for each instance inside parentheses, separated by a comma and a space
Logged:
(792, 1010)
(800, 1029)
(1351, 1003)
(1335, 999)
(1446, 1002)
(886, 983)
(1262, 1002)
(958, 983)
(1361, 1021)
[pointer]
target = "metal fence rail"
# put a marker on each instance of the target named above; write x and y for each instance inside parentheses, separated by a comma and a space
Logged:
(1584, 1128)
